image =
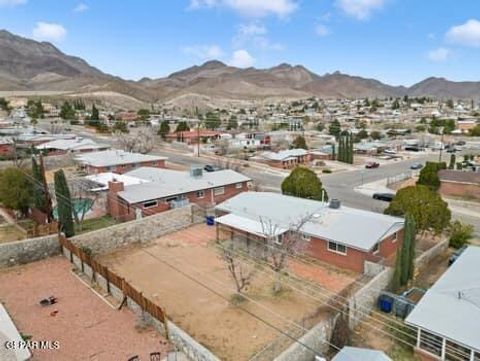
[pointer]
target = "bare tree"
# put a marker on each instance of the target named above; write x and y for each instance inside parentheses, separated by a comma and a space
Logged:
(141, 142)
(85, 198)
(240, 271)
(223, 146)
(280, 244)
(19, 154)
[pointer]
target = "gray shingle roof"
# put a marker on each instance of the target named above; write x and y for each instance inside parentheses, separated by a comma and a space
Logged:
(167, 182)
(352, 227)
(451, 307)
(115, 157)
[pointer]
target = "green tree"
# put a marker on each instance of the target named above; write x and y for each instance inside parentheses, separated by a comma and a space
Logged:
(4, 104)
(405, 261)
(396, 104)
(120, 126)
(429, 175)
(67, 112)
(334, 128)
(426, 207)
(460, 233)
(299, 142)
(450, 103)
(362, 134)
(320, 127)
(182, 127)
(39, 191)
(453, 161)
(212, 120)
(304, 183)
(64, 204)
(35, 109)
(95, 114)
(232, 123)
(475, 132)
(16, 189)
(376, 135)
(143, 114)
(164, 129)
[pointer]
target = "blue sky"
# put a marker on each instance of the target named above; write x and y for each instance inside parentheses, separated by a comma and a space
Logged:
(395, 41)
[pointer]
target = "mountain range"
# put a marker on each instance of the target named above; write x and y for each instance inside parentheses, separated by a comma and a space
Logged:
(29, 65)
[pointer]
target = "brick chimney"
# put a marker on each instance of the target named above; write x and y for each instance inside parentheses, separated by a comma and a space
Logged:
(114, 208)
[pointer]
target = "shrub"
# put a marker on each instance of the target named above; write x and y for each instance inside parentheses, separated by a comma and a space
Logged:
(460, 233)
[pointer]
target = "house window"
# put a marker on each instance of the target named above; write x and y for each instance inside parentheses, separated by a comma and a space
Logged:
(218, 191)
(395, 237)
(200, 194)
(305, 237)
(337, 247)
(375, 248)
(150, 204)
(456, 352)
(431, 343)
(238, 185)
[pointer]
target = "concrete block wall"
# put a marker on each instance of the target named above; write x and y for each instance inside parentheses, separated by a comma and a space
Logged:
(28, 250)
(138, 231)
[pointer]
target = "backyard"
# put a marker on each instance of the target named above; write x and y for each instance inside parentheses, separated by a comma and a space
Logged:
(183, 272)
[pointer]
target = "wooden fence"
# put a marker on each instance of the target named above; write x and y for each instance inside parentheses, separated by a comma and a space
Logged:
(111, 278)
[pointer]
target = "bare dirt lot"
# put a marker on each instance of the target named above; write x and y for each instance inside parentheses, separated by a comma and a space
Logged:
(86, 327)
(184, 274)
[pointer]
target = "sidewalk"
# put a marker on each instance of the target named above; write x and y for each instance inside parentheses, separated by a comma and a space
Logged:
(467, 208)
(369, 189)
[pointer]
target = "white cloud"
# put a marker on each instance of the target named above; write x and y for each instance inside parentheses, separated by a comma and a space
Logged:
(439, 55)
(467, 34)
(49, 31)
(360, 9)
(253, 8)
(241, 59)
(254, 34)
(322, 30)
(81, 7)
(7, 3)
(203, 52)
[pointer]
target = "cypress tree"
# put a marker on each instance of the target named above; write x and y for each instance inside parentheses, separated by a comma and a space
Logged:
(39, 192)
(64, 204)
(410, 232)
(452, 162)
(397, 274)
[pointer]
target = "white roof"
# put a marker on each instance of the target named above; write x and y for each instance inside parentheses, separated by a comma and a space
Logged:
(166, 182)
(360, 354)
(249, 225)
(115, 157)
(353, 227)
(451, 307)
(8, 332)
(72, 144)
(284, 154)
(103, 178)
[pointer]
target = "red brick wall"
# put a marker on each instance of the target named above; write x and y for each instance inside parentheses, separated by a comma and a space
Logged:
(354, 259)
(459, 189)
(6, 149)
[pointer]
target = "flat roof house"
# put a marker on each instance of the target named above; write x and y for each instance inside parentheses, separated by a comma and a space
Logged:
(163, 189)
(448, 315)
(118, 161)
(343, 236)
(77, 145)
(348, 353)
(285, 159)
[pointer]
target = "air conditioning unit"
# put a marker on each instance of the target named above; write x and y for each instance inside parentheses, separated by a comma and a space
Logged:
(196, 172)
(334, 203)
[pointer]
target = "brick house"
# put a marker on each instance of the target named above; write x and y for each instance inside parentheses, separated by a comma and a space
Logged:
(77, 145)
(117, 161)
(459, 183)
(447, 317)
(192, 136)
(164, 189)
(342, 236)
(285, 159)
(6, 146)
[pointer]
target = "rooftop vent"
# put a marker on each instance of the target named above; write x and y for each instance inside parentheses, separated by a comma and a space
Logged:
(196, 171)
(334, 203)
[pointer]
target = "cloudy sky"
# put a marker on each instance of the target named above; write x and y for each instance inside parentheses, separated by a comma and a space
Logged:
(396, 41)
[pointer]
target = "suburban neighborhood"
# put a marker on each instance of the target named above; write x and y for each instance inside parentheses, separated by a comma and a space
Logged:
(232, 208)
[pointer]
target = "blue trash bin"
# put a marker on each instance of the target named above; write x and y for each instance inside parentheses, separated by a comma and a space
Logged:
(210, 220)
(385, 303)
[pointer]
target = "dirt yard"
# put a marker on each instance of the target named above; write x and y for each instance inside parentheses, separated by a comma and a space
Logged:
(86, 327)
(183, 273)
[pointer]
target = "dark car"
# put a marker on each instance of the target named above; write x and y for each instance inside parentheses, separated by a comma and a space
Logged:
(416, 166)
(371, 165)
(210, 168)
(387, 197)
(456, 254)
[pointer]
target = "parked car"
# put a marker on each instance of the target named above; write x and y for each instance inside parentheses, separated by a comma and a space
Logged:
(387, 197)
(456, 254)
(389, 151)
(416, 166)
(371, 165)
(211, 168)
